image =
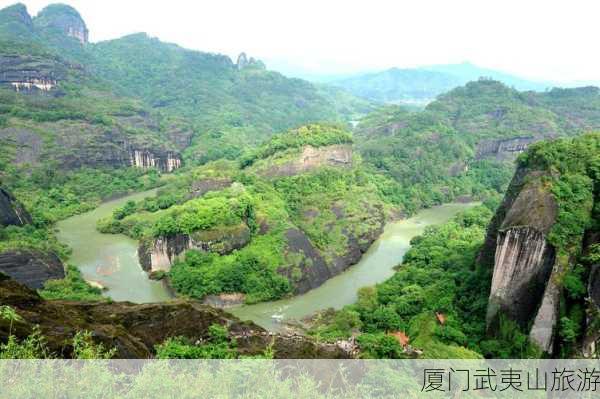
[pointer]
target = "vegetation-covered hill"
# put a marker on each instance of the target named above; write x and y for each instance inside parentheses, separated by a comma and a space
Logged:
(418, 86)
(167, 97)
(75, 116)
(437, 301)
(291, 214)
(464, 142)
(231, 106)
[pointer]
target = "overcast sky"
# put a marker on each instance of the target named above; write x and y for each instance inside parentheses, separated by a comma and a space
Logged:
(543, 40)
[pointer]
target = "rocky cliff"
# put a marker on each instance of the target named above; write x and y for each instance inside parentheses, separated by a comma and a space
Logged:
(74, 144)
(524, 280)
(31, 268)
(306, 159)
(535, 242)
(244, 62)
(590, 344)
(146, 159)
(134, 330)
(503, 149)
(158, 254)
(31, 73)
(523, 260)
(11, 211)
(309, 266)
(62, 19)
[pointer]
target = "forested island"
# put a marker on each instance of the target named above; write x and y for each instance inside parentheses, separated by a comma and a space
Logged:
(232, 185)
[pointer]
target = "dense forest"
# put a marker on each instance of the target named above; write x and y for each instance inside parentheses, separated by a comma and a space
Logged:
(267, 186)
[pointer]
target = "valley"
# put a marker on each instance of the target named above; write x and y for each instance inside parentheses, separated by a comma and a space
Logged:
(174, 203)
(111, 261)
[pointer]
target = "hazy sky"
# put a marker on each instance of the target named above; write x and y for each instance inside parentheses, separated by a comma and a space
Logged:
(545, 40)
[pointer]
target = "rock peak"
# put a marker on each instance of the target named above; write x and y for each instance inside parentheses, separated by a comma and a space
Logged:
(64, 19)
(17, 13)
(244, 62)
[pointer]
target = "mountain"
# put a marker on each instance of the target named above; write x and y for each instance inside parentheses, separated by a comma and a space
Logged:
(81, 122)
(465, 141)
(421, 85)
(289, 215)
(240, 104)
(218, 106)
(529, 287)
(544, 247)
(68, 104)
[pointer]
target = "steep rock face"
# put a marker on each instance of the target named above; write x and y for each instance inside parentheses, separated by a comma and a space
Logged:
(145, 159)
(244, 62)
(525, 272)
(11, 211)
(312, 266)
(31, 268)
(79, 143)
(521, 269)
(159, 254)
(31, 74)
(542, 331)
(15, 20)
(310, 158)
(19, 13)
(64, 19)
(134, 330)
(503, 149)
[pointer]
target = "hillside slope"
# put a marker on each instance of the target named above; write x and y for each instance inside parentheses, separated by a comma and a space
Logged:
(464, 143)
(292, 213)
(526, 288)
(76, 116)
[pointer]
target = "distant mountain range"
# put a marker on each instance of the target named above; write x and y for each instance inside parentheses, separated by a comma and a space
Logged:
(423, 84)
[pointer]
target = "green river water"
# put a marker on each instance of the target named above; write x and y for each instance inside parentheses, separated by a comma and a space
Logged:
(111, 260)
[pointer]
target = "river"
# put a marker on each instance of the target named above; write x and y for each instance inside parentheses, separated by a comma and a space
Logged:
(111, 260)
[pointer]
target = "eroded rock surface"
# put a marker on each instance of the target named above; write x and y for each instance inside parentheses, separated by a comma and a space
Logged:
(522, 267)
(31, 73)
(524, 283)
(31, 268)
(158, 254)
(506, 149)
(134, 330)
(63, 19)
(11, 211)
(78, 144)
(310, 158)
(145, 159)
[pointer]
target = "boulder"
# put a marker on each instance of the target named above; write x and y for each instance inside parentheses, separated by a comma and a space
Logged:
(31, 268)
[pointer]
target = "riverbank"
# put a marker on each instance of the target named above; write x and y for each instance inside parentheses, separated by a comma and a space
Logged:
(111, 260)
(376, 265)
